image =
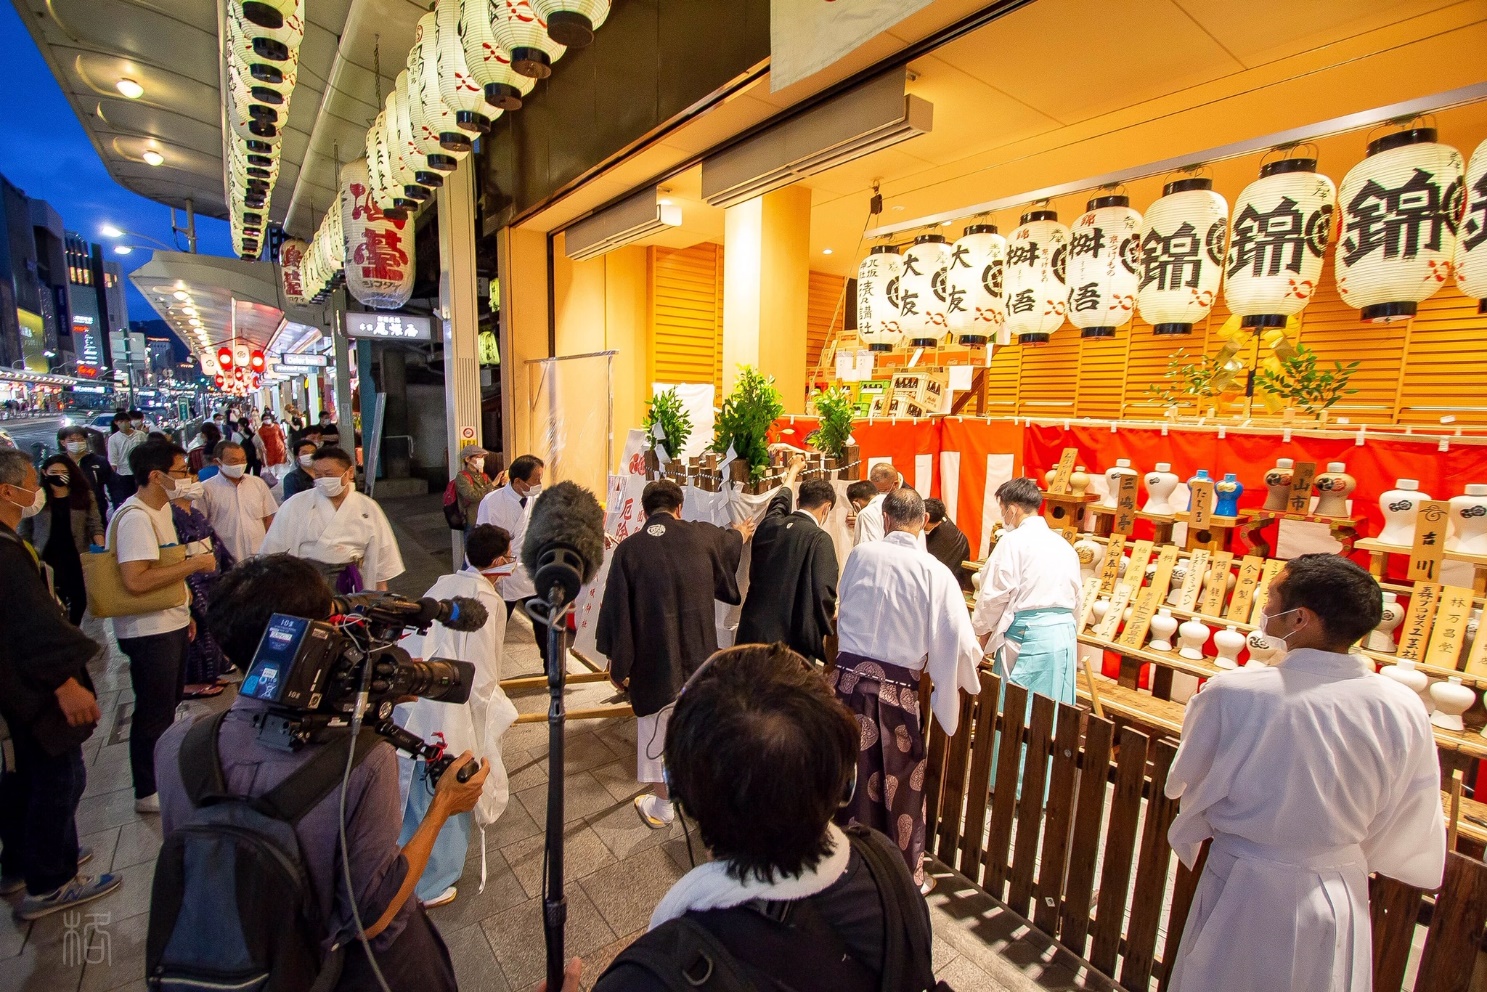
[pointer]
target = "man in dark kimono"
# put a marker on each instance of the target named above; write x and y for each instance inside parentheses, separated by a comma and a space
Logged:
(793, 571)
(657, 623)
(947, 542)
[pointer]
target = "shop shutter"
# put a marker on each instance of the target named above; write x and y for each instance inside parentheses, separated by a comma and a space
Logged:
(1332, 329)
(1050, 374)
(687, 314)
(825, 316)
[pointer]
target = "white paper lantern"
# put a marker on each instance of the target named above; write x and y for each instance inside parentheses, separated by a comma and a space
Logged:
(1282, 223)
(1101, 273)
(1182, 255)
(209, 364)
(432, 120)
(457, 87)
(241, 355)
(379, 250)
(519, 30)
(1399, 209)
(419, 143)
(291, 258)
(277, 28)
(1037, 295)
(1471, 244)
(488, 62)
(572, 23)
(976, 284)
(877, 298)
(410, 167)
(922, 291)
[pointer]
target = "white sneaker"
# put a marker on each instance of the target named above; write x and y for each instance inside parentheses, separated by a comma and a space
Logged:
(442, 899)
(149, 804)
(655, 811)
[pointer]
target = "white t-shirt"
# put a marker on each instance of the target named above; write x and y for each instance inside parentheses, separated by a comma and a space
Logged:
(138, 535)
(236, 512)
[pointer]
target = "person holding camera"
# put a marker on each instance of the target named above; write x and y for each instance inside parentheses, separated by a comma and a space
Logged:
(409, 953)
(762, 757)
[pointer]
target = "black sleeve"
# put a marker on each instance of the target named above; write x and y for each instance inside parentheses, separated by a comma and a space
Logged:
(782, 505)
(613, 632)
(46, 650)
(730, 553)
(824, 575)
(627, 977)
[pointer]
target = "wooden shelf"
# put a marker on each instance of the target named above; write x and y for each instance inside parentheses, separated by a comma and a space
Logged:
(1374, 546)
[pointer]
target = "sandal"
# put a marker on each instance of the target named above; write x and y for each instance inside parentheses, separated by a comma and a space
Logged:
(202, 691)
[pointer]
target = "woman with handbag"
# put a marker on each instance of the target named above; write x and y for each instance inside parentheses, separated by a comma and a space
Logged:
(154, 624)
(471, 486)
(206, 666)
(63, 530)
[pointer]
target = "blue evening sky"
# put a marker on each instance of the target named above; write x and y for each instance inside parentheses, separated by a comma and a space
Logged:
(46, 152)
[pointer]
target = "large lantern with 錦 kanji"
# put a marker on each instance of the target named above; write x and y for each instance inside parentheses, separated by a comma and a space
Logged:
(291, 259)
(1471, 243)
(975, 279)
(488, 62)
(1182, 255)
(1282, 223)
(379, 250)
(572, 23)
(1399, 210)
(922, 291)
(1101, 273)
(519, 30)
(1037, 295)
(457, 87)
(877, 298)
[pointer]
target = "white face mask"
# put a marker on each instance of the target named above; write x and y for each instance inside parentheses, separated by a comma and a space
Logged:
(306, 460)
(38, 501)
(185, 489)
(1265, 619)
(76, 448)
(477, 464)
(138, 424)
(331, 487)
(532, 491)
(234, 471)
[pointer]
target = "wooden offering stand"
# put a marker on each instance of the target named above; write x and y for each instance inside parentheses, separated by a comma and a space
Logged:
(1379, 554)
(1254, 523)
(1065, 511)
(1217, 536)
(1161, 525)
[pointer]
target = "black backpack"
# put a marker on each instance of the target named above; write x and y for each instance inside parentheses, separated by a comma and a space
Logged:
(743, 950)
(232, 904)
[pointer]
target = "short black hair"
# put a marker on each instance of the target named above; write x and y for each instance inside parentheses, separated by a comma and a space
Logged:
(339, 455)
(903, 507)
(121, 417)
(523, 467)
(154, 455)
(1345, 598)
(136, 415)
(1023, 492)
(760, 753)
(816, 492)
(305, 442)
(663, 494)
(222, 447)
(864, 491)
(257, 588)
(935, 508)
(72, 430)
(485, 543)
(211, 434)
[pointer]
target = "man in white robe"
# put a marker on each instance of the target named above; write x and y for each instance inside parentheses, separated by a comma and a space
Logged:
(343, 532)
(239, 506)
(475, 726)
(1308, 775)
(884, 478)
(900, 612)
(509, 508)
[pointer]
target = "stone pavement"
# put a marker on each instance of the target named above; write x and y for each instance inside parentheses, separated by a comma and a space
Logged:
(617, 868)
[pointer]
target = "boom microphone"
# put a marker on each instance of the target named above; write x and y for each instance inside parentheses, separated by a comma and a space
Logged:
(564, 543)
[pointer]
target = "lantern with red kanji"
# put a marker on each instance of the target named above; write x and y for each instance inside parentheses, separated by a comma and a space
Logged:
(379, 250)
(1282, 223)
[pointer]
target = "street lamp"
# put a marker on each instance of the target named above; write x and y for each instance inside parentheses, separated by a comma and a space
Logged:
(110, 231)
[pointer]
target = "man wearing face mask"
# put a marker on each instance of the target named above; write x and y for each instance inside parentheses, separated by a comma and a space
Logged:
(125, 438)
(1308, 775)
(300, 479)
(49, 706)
(154, 642)
(74, 442)
(239, 506)
(344, 533)
(509, 508)
(792, 571)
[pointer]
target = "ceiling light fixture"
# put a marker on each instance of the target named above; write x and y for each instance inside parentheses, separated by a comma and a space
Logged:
(109, 231)
(122, 249)
(130, 88)
(153, 157)
(181, 294)
(826, 251)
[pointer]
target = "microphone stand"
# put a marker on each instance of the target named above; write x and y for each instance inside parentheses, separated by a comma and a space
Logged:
(554, 902)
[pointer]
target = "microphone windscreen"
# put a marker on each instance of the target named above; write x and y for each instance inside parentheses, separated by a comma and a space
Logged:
(468, 614)
(567, 514)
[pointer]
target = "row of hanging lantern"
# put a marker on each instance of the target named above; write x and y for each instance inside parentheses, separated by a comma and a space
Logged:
(309, 271)
(1401, 208)
(262, 40)
(235, 368)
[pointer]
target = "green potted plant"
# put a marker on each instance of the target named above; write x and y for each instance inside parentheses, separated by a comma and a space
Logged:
(665, 410)
(1302, 385)
(744, 421)
(834, 436)
(1184, 379)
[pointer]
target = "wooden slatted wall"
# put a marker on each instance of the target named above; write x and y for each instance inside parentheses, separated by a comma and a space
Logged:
(687, 314)
(1047, 389)
(824, 319)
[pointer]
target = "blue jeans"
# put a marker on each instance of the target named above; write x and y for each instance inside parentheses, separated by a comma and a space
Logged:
(38, 803)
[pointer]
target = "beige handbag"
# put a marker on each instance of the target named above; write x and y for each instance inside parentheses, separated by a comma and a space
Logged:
(107, 596)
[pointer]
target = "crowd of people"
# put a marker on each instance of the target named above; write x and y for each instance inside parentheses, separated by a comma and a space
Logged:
(798, 752)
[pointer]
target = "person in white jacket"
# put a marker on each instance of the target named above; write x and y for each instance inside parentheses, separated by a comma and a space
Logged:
(475, 726)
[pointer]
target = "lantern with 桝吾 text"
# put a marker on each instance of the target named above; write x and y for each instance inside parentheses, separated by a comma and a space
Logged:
(1399, 210)
(291, 257)
(1182, 255)
(519, 30)
(1101, 273)
(457, 87)
(1282, 223)
(975, 278)
(572, 23)
(488, 62)
(1471, 243)
(877, 298)
(922, 295)
(1037, 294)
(379, 250)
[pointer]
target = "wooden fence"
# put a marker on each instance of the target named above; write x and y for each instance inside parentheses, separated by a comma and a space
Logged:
(1104, 824)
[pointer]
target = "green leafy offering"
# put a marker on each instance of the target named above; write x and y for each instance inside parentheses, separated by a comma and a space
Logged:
(1302, 383)
(834, 407)
(746, 416)
(667, 410)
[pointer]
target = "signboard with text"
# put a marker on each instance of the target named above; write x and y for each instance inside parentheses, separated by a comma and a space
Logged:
(388, 327)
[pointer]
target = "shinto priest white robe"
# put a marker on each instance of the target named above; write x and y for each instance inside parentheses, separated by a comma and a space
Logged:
(310, 526)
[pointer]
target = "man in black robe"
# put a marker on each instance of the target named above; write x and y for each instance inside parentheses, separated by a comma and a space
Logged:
(946, 542)
(657, 624)
(793, 570)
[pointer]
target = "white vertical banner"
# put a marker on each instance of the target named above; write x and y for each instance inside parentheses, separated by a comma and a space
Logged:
(950, 481)
(998, 470)
(806, 36)
(924, 474)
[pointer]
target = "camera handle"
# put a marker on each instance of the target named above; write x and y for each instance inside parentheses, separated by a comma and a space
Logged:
(435, 755)
(554, 613)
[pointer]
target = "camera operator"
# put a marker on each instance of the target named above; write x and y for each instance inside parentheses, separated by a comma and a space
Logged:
(409, 951)
(761, 756)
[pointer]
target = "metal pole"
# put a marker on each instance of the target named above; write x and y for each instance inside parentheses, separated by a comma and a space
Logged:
(190, 226)
(554, 902)
(461, 318)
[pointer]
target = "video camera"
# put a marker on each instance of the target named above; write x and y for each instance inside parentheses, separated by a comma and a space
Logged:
(319, 676)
